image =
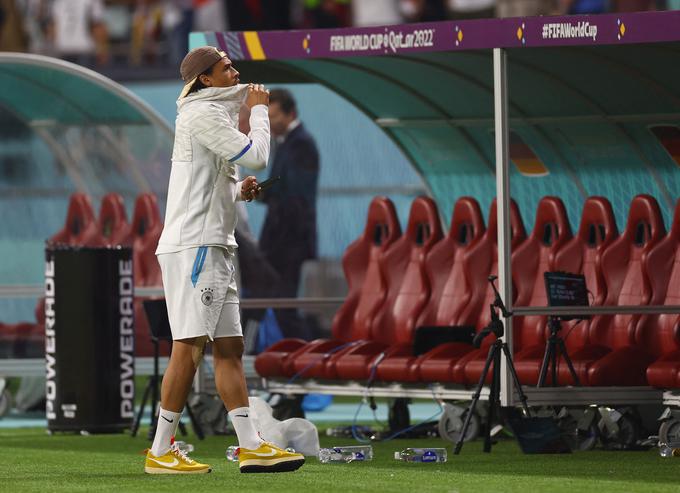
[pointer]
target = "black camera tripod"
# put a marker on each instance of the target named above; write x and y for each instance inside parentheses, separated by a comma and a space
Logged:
(553, 348)
(494, 357)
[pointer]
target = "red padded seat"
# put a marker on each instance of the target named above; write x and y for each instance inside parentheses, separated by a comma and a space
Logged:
(80, 227)
(439, 364)
(112, 225)
(408, 291)
(451, 285)
(663, 268)
(581, 255)
(612, 355)
(366, 294)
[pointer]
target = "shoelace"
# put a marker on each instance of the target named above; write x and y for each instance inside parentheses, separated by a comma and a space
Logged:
(180, 454)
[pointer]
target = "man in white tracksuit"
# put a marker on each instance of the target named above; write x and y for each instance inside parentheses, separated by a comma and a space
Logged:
(196, 249)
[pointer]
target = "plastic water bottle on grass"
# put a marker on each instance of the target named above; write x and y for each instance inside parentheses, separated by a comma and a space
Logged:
(357, 453)
(232, 453)
(185, 447)
(421, 455)
(666, 450)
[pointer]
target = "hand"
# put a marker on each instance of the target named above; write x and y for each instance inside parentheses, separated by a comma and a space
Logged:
(257, 94)
(250, 189)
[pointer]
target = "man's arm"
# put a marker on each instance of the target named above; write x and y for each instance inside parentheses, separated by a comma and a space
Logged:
(215, 129)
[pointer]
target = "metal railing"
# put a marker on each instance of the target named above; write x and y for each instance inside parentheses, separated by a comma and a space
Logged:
(37, 290)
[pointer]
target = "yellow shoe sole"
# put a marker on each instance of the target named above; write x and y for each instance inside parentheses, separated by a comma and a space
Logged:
(161, 470)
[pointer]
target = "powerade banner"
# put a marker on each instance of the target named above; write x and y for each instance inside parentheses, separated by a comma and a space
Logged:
(89, 339)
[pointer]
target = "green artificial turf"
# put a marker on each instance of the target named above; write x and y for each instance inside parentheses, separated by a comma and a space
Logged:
(32, 461)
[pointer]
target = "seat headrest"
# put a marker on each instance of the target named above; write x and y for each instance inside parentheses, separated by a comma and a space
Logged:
(675, 226)
(146, 214)
(80, 213)
(517, 229)
(645, 222)
(382, 223)
(551, 221)
(111, 212)
(598, 224)
(424, 227)
(467, 222)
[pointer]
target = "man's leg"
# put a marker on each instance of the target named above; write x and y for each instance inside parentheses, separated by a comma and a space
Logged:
(231, 385)
(175, 390)
(255, 455)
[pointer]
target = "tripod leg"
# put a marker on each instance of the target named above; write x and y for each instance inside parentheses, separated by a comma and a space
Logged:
(194, 423)
(570, 365)
(518, 386)
(494, 397)
(544, 366)
(138, 418)
(475, 399)
(555, 358)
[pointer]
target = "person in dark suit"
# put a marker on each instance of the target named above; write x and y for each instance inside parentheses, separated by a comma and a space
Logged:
(288, 236)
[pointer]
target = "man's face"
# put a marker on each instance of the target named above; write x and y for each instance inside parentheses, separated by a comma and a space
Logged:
(223, 74)
(279, 120)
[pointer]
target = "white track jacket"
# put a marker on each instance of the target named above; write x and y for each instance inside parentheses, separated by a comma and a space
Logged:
(204, 179)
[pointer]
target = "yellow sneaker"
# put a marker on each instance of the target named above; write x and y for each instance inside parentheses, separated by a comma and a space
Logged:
(174, 461)
(268, 458)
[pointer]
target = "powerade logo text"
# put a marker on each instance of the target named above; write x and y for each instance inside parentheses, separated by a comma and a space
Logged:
(569, 30)
(127, 338)
(50, 341)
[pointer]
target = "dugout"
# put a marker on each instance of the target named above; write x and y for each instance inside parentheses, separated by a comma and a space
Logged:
(529, 107)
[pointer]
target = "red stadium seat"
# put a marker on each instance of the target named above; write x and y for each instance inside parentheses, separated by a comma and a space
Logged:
(80, 227)
(529, 262)
(146, 229)
(408, 291)
(612, 356)
(663, 267)
(366, 294)
(581, 255)
(451, 285)
(113, 227)
(438, 365)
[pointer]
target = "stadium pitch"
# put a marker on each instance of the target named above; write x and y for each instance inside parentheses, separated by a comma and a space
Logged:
(33, 461)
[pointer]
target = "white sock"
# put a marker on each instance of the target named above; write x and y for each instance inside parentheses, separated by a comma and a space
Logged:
(245, 431)
(165, 430)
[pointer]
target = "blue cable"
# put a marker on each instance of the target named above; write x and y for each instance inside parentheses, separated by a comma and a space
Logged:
(322, 356)
(400, 432)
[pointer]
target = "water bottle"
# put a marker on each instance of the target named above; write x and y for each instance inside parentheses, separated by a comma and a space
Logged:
(232, 453)
(346, 431)
(185, 447)
(357, 453)
(421, 455)
(666, 450)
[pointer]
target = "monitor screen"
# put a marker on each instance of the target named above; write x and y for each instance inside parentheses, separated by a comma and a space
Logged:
(565, 289)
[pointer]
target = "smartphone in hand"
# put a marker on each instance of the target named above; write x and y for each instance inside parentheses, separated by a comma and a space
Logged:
(268, 183)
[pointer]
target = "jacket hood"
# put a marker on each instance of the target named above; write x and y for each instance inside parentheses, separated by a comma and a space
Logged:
(230, 97)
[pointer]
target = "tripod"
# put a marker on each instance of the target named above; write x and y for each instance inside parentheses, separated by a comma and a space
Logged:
(553, 348)
(494, 357)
